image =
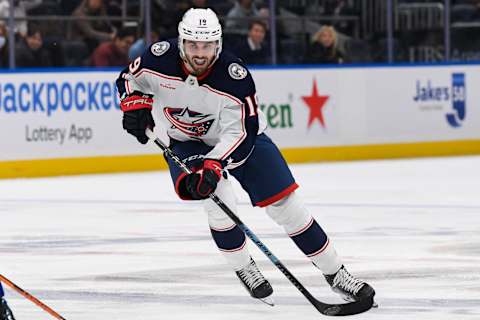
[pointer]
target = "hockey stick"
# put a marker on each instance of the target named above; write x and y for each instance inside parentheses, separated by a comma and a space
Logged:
(31, 298)
(343, 309)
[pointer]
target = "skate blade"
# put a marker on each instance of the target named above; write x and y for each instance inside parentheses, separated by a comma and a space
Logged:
(268, 300)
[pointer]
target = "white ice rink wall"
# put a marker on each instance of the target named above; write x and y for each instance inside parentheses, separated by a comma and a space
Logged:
(68, 122)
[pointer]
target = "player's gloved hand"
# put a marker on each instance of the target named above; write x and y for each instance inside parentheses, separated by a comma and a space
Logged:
(203, 182)
(137, 115)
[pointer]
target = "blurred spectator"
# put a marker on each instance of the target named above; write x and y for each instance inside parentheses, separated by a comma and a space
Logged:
(264, 15)
(4, 8)
(93, 32)
(30, 52)
(324, 47)
(237, 18)
(140, 45)
(20, 11)
(115, 52)
(3, 46)
(253, 50)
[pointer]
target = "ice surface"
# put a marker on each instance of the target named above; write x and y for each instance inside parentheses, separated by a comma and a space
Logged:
(123, 247)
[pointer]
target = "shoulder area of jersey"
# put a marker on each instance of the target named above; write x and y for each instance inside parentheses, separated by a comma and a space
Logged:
(160, 48)
(163, 48)
(235, 67)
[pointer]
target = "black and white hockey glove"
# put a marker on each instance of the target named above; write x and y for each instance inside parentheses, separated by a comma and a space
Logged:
(137, 114)
(204, 181)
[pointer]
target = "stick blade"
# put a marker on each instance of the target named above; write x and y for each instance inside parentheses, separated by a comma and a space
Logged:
(345, 309)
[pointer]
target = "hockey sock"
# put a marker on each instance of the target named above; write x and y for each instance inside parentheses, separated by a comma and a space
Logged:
(315, 244)
(311, 239)
(290, 212)
(228, 237)
(232, 243)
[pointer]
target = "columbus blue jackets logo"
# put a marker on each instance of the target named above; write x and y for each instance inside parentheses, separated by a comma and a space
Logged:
(237, 72)
(160, 48)
(193, 124)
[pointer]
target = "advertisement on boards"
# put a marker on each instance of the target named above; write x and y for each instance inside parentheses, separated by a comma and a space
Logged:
(76, 114)
(302, 107)
(423, 104)
(52, 115)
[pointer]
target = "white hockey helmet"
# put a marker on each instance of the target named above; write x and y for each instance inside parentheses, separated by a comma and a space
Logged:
(200, 25)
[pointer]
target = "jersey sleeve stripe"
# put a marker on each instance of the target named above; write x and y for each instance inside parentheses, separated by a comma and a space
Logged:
(244, 132)
(127, 87)
(240, 140)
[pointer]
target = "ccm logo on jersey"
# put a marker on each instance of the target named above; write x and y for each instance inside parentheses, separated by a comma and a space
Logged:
(237, 72)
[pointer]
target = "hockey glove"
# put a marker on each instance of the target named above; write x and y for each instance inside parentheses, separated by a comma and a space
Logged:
(204, 181)
(137, 115)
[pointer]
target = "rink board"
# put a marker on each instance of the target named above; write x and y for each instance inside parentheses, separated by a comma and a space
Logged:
(58, 123)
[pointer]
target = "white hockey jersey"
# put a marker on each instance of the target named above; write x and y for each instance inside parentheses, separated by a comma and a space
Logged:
(219, 108)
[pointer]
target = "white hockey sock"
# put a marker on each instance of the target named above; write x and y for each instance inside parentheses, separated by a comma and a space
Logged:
(292, 215)
(237, 259)
(228, 235)
(328, 260)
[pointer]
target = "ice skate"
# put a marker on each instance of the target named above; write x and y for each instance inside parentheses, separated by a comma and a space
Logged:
(255, 283)
(349, 287)
(5, 312)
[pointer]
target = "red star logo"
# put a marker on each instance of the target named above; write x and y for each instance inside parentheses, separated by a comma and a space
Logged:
(316, 104)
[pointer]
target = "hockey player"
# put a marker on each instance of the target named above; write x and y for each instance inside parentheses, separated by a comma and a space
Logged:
(5, 312)
(206, 100)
